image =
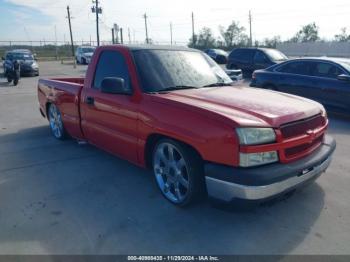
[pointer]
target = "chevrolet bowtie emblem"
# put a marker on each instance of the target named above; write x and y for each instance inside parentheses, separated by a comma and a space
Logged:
(311, 134)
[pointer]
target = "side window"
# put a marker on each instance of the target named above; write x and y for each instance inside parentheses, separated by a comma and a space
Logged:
(247, 55)
(244, 55)
(260, 57)
(326, 70)
(298, 68)
(235, 53)
(111, 64)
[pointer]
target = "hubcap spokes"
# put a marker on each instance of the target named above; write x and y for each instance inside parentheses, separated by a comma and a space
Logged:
(171, 172)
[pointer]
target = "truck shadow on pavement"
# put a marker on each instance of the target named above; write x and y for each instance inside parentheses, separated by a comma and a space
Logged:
(64, 198)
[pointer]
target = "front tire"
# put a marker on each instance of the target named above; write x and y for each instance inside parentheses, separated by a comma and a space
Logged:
(178, 172)
(56, 123)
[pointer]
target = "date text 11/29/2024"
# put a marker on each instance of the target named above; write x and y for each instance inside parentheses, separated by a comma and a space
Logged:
(173, 258)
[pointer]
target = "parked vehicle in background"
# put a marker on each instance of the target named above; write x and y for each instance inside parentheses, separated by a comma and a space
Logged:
(251, 59)
(234, 74)
(218, 55)
(26, 60)
(326, 80)
(83, 54)
(173, 110)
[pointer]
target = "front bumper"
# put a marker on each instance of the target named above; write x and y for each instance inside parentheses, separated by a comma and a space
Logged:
(28, 70)
(259, 183)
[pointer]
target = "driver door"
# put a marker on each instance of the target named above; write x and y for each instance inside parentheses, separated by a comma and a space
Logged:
(109, 121)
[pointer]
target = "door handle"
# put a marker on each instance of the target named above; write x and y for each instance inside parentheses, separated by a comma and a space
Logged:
(89, 100)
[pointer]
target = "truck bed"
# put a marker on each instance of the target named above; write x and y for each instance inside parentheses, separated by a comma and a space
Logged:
(65, 94)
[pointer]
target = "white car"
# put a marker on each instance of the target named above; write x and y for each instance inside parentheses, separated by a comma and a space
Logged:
(83, 54)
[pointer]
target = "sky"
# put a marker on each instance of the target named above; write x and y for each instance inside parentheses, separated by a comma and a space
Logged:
(36, 20)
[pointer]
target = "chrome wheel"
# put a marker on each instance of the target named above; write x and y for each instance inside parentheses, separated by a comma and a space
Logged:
(171, 172)
(56, 124)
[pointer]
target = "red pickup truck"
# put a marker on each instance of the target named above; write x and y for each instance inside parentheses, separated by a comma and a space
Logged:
(175, 111)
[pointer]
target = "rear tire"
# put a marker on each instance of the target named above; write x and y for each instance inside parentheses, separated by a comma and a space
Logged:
(56, 123)
(178, 171)
(270, 87)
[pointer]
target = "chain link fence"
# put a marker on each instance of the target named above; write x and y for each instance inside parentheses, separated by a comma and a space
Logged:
(46, 50)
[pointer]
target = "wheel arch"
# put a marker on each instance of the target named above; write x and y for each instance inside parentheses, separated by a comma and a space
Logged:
(152, 141)
(269, 85)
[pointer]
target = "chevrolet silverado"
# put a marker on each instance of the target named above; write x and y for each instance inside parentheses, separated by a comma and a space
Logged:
(175, 111)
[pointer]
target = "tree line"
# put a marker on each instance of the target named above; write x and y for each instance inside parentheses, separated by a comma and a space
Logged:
(235, 36)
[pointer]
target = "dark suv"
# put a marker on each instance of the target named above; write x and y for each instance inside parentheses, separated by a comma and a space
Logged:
(251, 59)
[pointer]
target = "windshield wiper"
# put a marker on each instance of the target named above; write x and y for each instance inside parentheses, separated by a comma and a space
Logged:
(218, 84)
(179, 87)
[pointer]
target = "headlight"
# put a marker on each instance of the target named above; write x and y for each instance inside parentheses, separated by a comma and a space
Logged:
(34, 65)
(256, 159)
(256, 136)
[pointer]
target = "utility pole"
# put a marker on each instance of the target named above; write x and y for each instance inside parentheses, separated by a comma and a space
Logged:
(70, 31)
(250, 28)
(97, 10)
(121, 36)
(116, 32)
(171, 33)
(113, 39)
(145, 17)
(56, 51)
(193, 36)
(129, 35)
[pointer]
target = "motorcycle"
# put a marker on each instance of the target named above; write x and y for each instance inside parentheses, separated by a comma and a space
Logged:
(13, 72)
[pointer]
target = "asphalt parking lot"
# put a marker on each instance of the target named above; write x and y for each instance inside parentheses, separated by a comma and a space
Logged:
(64, 198)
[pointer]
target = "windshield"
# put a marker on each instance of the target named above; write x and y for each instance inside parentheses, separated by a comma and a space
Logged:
(276, 55)
(221, 52)
(160, 70)
(346, 65)
(88, 50)
(19, 56)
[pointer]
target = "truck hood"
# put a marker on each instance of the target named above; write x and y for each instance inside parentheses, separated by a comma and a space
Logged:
(247, 106)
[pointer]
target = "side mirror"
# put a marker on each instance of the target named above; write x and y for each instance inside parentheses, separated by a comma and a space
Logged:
(344, 77)
(114, 85)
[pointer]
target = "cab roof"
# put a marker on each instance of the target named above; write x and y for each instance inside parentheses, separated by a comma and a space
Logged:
(157, 47)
